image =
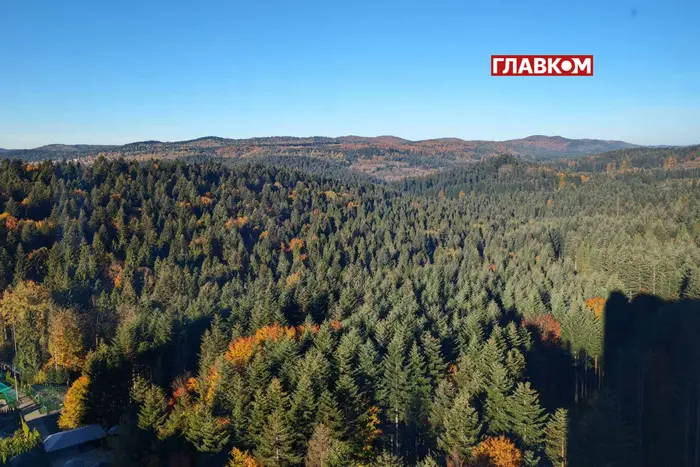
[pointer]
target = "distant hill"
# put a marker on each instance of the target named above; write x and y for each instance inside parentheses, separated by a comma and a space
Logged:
(651, 157)
(385, 156)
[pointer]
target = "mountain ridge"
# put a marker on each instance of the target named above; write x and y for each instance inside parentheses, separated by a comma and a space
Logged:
(386, 156)
(388, 139)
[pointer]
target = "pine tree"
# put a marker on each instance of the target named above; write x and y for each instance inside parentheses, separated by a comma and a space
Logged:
(496, 408)
(214, 343)
(419, 390)
(153, 411)
(387, 459)
(236, 400)
(205, 431)
(427, 462)
(527, 418)
(367, 366)
(258, 373)
(435, 363)
(303, 408)
(21, 266)
(442, 404)
(258, 417)
(460, 431)
(394, 385)
(330, 415)
(276, 446)
(347, 391)
(556, 438)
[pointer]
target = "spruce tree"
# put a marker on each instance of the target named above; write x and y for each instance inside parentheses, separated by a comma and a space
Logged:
(496, 407)
(527, 418)
(461, 429)
(556, 438)
(330, 415)
(393, 391)
(205, 432)
(303, 408)
(419, 390)
(153, 411)
(435, 363)
(276, 445)
(258, 417)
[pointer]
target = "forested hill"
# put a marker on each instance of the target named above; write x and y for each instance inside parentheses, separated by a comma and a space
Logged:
(249, 314)
(384, 156)
(687, 157)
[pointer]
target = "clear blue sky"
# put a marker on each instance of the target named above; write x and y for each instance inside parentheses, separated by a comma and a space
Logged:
(121, 71)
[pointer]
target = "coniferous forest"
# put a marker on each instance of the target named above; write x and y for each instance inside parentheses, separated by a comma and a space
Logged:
(500, 313)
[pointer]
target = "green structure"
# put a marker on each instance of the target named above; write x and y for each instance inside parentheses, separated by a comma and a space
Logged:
(8, 393)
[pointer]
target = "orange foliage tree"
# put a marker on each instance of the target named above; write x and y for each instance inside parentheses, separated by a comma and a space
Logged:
(497, 452)
(296, 244)
(550, 328)
(240, 351)
(596, 304)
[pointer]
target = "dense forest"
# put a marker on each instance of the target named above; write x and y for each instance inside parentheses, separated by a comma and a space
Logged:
(503, 313)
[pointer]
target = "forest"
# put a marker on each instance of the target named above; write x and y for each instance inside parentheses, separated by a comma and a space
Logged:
(289, 312)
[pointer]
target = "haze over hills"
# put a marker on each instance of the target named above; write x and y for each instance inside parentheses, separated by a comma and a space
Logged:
(386, 156)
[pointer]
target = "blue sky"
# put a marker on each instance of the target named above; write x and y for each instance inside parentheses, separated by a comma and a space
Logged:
(122, 71)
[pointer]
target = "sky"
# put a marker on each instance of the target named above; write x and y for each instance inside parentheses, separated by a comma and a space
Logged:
(100, 72)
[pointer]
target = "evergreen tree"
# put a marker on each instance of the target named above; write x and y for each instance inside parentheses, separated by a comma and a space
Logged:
(153, 410)
(330, 415)
(205, 432)
(461, 429)
(276, 445)
(556, 438)
(497, 405)
(394, 386)
(303, 408)
(527, 418)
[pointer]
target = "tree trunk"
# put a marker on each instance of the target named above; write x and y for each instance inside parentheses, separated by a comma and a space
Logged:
(396, 432)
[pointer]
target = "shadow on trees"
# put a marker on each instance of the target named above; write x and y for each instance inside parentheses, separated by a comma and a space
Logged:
(550, 368)
(644, 409)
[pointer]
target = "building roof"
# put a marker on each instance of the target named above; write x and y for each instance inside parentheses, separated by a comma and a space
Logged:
(70, 438)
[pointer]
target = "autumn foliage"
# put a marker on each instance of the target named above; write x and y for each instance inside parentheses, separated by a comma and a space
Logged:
(9, 220)
(241, 349)
(550, 328)
(238, 222)
(296, 244)
(596, 304)
(75, 404)
(242, 459)
(370, 429)
(497, 452)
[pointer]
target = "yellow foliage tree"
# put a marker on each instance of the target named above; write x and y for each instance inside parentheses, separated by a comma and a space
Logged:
(65, 338)
(75, 404)
(25, 310)
(596, 304)
(497, 452)
(240, 351)
(242, 459)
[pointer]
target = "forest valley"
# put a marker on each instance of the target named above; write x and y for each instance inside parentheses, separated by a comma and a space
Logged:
(504, 313)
